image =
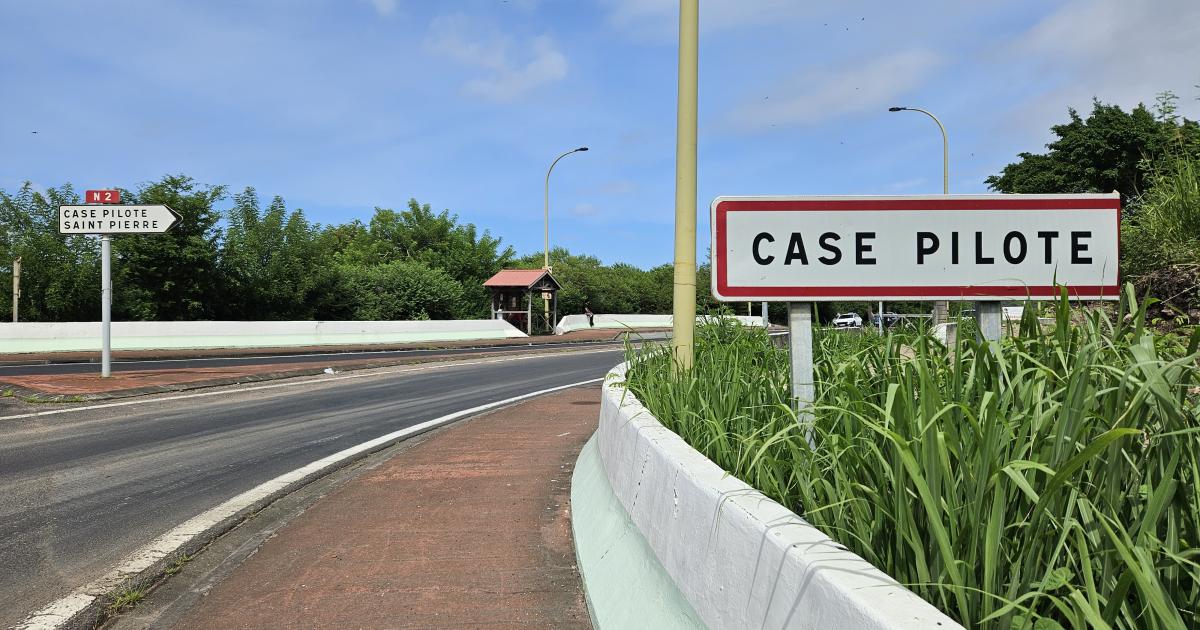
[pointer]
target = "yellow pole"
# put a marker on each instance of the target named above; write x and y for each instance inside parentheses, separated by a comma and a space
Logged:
(684, 311)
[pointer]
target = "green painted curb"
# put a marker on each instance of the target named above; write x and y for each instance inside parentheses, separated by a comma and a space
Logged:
(626, 587)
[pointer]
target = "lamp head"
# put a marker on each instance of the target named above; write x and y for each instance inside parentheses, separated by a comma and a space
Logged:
(897, 109)
(582, 149)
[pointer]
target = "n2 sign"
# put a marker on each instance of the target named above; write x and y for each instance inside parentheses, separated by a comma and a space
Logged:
(944, 247)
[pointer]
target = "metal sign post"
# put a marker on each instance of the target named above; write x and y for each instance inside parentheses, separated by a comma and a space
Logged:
(803, 382)
(990, 315)
(107, 219)
(16, 286)
(106, 305)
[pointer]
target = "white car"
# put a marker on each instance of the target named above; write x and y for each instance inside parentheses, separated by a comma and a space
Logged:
(847, 320)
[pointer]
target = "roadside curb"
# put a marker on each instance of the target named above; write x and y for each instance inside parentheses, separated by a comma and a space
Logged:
(85, 607)
(740, 559)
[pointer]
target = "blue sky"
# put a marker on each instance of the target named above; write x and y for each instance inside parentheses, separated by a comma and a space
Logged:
(344, 105)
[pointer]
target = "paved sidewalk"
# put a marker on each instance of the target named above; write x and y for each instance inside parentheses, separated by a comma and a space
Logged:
(469, 528)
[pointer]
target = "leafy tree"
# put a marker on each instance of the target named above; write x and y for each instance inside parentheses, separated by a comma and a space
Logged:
(618, 288)
(170, 277)
(436, 239)
(1109, 150)
(60, 279)
(273, 263)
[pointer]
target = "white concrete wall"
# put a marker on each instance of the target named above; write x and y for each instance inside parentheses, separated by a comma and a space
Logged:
(740, 559)
(85, 336)
(623, 322)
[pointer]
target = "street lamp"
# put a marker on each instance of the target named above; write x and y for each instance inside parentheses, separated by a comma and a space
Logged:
(945, 145)
(941, 309)
(546, 257)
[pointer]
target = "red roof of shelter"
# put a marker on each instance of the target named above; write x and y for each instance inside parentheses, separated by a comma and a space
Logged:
(523, 278)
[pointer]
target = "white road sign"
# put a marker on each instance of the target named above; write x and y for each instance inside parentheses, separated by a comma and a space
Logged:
(944, 247)
(113, 219)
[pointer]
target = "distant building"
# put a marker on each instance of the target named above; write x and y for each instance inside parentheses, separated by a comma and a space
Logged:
(513, 298)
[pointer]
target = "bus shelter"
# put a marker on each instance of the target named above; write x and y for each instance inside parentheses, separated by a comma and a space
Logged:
(525, 298)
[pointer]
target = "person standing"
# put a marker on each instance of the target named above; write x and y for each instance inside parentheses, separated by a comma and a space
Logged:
(587, 310)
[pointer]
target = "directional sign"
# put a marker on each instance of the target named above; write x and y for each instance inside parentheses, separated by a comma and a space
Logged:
(944, 247)
(116, 219)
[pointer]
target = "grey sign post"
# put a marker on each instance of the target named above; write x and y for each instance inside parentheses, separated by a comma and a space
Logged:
(803, 382)
(106, 220)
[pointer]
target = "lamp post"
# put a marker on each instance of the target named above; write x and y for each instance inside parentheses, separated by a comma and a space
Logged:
(546, 257)
(941, 308)
(546, 250)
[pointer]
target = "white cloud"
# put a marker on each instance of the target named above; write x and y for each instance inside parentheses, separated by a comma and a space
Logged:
(384, 7)
(618, 187)
(910, 184)
(509, 75)
(660, 18)
(820, 95)
(1118, 51)
(585, 210)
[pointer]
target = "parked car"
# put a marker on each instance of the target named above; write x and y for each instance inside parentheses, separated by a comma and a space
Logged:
(847, 320)
(889, 318)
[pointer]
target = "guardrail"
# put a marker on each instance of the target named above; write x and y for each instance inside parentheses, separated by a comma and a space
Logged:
(619, 321)
(85, 336)
(665, 538)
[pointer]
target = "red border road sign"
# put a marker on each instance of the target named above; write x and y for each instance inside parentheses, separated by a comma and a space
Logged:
(895, 223)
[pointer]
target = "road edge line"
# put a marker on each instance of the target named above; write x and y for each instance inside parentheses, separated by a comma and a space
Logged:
(82, 606)
(252, 386)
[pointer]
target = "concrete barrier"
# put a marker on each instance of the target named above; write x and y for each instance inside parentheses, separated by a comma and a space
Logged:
(623, 322)
(85, 336)
(739, 559)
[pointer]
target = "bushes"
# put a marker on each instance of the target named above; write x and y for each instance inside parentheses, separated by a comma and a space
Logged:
(1055, 481)
(400, 290)
(1161, 238)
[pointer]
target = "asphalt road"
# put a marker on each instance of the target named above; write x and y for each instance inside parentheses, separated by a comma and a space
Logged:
(83, 367)
(81, 490)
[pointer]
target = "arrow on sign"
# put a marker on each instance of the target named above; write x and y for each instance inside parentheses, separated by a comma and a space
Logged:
(112, 219)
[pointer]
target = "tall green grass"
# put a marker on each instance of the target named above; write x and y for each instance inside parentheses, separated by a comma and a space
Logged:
(1047, 481)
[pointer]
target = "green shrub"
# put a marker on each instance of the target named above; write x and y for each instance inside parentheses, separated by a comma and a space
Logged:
(1046, 481)
(1160, 241)
(400, 290)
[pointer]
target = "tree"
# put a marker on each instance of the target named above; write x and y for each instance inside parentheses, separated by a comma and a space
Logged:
(273, 264)
(436, 239)
(60, 280)
(170, 277)
(1109, 150)
(617, 288)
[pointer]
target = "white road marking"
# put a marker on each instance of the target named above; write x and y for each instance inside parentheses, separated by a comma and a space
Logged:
(290, 383)
(322, 354)
(59, 612)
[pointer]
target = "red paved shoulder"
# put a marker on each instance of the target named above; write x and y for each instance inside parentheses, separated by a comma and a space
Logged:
(469, 528)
